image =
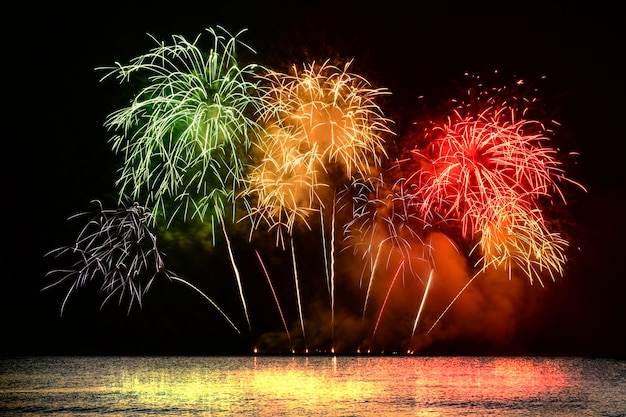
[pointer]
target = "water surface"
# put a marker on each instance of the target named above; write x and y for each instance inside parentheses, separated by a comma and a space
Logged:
(312, 386)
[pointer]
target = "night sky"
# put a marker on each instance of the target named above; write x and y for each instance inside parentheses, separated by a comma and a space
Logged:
(57, 159)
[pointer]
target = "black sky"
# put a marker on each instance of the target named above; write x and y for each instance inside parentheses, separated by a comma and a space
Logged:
(57, 159)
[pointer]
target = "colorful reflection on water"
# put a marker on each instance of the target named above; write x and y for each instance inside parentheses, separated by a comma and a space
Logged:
(503, 378)
(313, 386)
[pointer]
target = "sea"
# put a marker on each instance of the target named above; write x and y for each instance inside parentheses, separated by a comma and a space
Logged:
(301, 385)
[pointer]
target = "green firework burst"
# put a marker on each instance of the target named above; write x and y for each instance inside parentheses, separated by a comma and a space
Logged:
(185, 136)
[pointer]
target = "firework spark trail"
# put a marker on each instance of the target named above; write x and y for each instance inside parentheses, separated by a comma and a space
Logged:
(184, 134)
(178, 279)
(327, 267)
(371, 281)
(237, 276)
(382, 308)
(297, 284)
(456, 297)
(422, 302)
(332, 273)
(280, 310)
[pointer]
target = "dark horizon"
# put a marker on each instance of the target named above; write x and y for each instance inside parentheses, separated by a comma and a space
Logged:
(59, 160)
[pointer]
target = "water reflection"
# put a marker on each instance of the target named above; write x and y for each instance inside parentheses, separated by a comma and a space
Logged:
(305, 383)
(496, 378)
(313, 386)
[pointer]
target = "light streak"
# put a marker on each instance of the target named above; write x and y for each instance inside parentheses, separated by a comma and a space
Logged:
(371, 281)
(332, 274)
(178, 279)
(456, 297)
(423, 302)
(280, 310)
(382, 308)
(297, 284)
(237, 276)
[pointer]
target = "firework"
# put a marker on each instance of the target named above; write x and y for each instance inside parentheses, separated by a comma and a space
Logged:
(515, 237)
(117, 247)
(477, 161)
(284, 184)
(184, 135)
(318, 120)
(381, 222)
(332, 111)
(488, 167)
(322, 125)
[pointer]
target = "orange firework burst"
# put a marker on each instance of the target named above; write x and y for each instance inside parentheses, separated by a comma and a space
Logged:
(513, 235)
(284, 182)
(322, 126)
(320, 121)
(333, 111)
